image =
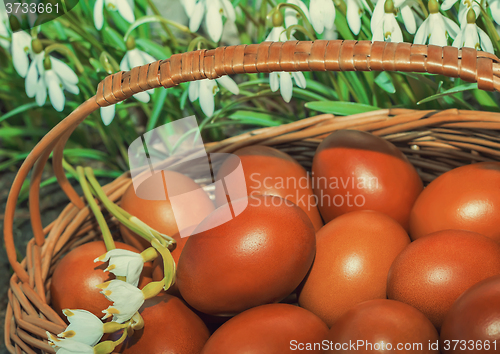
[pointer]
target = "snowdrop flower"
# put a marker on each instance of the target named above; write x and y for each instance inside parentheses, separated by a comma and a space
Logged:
(132, 58)
(436, 28)
(21, 47)
(84, 327)
(495, 10)
(123, 263)
(212, 11)
(388, 28)
(124, 7)
(466, 4)
(126, 298)
(354, 12)
(406, 13)
(53, 75)
(206, 89)
(322, 13)
(292, 16)
(4, 27)
(68, 346)
(283, 80)
(472, 36)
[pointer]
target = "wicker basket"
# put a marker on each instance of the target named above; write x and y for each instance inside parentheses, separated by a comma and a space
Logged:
(434, 141)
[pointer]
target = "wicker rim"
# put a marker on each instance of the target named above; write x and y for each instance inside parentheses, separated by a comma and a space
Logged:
(452, 137)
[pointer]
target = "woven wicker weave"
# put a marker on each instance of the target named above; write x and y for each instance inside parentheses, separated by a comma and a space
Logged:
(434, 141)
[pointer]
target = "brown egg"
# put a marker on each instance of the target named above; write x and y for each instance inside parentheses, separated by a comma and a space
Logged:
(475, 316)
(383, 326)
(76, 276)
(269, 171)
(353, 255)
(433, 271)
(465, 198)
(169, 327)
(258, 257)
(269, 329)
(158, 213)
(354, 170)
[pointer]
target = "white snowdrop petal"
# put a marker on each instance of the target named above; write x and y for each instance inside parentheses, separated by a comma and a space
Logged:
(214, 21)
(31, 80)
(274, 81)
(316, 14)
(299, 78)
(207, 97)
(229, 84)
(194, 89)
(378, 34)
(124, 64)
(286, 86)
(409, 19)
(98, 14)
(447, 4)
(228, 10)
(125, 11)
(71, 88)
(422, 32)
(19, 52)
(329, 14)
(450, 26)
(485, 40)
(495, 10)
(64, 72)
(126, 298)
(84, 327)
(396, 33)
(56, 93)
(377, 16)
(108, 114)
(123, 262)
(353, 19)
(188, 6)
(147, 58)
(143, 97)
(458, 40)
(41, 92)
(197, 16)
(135, 58)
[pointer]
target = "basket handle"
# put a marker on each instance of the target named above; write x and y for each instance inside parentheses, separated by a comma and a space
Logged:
(338, 55)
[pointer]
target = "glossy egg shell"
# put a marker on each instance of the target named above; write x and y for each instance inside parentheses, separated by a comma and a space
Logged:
(159, 214)
(75, 277)
(354, 170)
(267, 329)
(381, 325)
(433, 271)
(258, 257)
(465, 198)
(269, 171)
(169, 327)
(475, 316)
(353, 255)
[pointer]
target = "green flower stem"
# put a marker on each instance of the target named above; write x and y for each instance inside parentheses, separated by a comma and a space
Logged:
(153, 288)
(149, 19)
(302, 29)
(163, 24)
(195, 43)
(6, 38)
(106, 234)
(67, 52)
(106, 57)
(108, 346)
(248, 15)
(301, 13)
(349, 86)
(335, 84)
(168, 264)
(125, 218)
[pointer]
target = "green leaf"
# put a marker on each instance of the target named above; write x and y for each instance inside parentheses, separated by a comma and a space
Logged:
(456, 89)
(256, 118)
(384, 81)
(18, 110)
(154, 49)
(340, 108)
(113, 38)
(9, 132)
(159, 101)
